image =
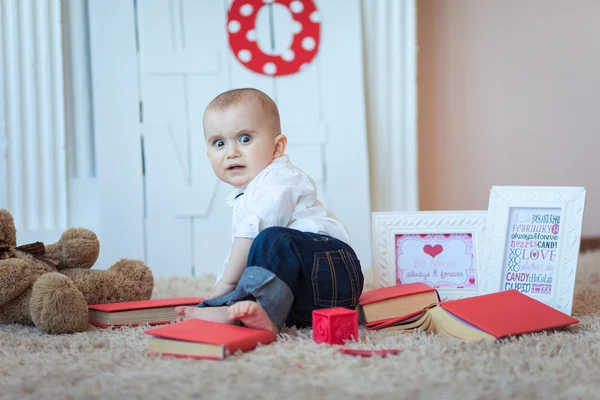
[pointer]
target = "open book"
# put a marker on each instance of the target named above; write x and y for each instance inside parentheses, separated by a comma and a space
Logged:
(490, 316)
(393, 301)
(153, 312)
(196, 338)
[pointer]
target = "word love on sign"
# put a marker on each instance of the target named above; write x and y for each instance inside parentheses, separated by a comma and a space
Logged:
(443, 261)
(243, 37)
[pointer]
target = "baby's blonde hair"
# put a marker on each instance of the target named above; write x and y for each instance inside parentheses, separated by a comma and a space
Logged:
(239, 96)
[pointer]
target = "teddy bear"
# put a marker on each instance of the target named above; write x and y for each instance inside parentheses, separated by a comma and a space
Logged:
(51, 286)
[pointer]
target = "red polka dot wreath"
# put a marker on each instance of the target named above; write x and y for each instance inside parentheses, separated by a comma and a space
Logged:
(241, 27)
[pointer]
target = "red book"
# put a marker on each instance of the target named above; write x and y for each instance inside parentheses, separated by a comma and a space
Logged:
(507, 313)
(490, 316)
(195, 338)
(391, 302)
(153, 312)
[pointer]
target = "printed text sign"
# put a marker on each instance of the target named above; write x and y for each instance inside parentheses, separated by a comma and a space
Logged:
(531, 253)
(439, 260)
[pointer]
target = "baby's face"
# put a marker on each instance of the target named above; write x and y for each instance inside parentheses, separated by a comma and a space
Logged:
(240, 142)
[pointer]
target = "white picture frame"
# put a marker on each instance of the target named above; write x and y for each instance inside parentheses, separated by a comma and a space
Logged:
(396, 246)
(534, 232)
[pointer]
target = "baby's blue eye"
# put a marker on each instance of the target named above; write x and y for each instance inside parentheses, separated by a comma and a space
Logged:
(219, 143)
(245, 139)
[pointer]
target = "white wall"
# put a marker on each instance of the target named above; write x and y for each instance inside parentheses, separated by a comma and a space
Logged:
(389, 42)
(389, 33)
(32, 122)
(3, 152)
(508, 95)
(81, 157)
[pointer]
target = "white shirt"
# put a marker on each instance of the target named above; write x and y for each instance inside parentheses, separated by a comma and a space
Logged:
(281, 195)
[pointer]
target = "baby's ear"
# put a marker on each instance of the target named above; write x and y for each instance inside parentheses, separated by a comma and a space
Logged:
(280, 145)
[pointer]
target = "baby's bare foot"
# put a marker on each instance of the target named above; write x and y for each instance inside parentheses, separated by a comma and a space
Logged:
(214, 314)
(252, 315)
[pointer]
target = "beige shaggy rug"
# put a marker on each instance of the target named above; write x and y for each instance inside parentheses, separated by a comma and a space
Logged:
(111, 364)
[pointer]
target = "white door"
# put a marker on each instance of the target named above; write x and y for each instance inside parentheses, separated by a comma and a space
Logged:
(183, 60)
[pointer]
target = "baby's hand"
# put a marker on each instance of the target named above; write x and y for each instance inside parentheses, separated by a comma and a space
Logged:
(220, 289)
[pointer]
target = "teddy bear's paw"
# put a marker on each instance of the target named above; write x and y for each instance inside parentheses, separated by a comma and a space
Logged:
(57, 305)
(16, 311)
(79, 248)
(137, 272)
(16, 276)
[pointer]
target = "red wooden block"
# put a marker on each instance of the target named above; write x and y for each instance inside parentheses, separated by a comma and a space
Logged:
(334, 325)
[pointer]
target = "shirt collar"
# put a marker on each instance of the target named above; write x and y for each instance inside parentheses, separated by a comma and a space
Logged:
(281, 159)
(237, 191)
(232, 196)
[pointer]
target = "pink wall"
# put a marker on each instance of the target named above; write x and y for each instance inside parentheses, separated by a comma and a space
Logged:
(509, 94)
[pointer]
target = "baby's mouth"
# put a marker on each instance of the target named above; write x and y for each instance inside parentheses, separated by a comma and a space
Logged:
(235, 167)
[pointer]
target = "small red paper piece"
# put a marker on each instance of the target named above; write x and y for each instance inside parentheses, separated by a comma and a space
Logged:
(368, 353)
(334, 325)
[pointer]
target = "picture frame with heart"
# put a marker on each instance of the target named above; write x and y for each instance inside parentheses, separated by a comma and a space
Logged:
(532, 242)
(439, 248)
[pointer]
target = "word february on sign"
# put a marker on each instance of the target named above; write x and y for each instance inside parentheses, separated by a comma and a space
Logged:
(531, 251)
(444, 261)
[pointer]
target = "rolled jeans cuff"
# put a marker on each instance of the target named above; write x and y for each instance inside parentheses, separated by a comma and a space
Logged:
(260, 285)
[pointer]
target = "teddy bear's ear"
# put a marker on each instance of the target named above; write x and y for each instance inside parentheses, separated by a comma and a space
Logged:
(8, 233)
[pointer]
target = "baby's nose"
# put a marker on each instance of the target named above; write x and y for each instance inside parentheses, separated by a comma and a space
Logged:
(233, 152)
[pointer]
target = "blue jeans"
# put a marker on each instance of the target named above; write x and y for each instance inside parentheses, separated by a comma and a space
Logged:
(291, 273)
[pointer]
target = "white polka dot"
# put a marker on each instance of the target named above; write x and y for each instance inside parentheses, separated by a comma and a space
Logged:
(296, 6)
(270, 68)
(296, 27)
(315, 17)
(288, 55)
(246, 10)
(308, 43)
(244, 55)
(251, 35)
(234, 26)
(268, 1)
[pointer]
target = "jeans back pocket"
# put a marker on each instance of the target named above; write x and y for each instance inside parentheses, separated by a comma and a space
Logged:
(336, 279)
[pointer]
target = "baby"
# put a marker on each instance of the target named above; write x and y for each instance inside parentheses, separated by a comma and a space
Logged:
(289, 255)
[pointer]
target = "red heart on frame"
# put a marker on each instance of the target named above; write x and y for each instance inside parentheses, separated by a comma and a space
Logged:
(433, 250)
